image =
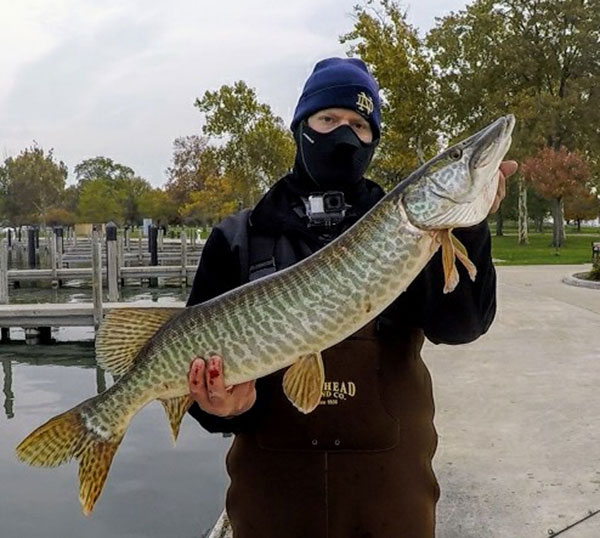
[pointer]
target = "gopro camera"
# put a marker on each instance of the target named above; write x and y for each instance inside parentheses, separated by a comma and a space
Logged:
(325, 209)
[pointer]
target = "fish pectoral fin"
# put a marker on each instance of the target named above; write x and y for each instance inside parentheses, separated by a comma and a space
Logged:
(303, 382)
(461, 253)
(176, 408)
(448, 261)
(122, 334)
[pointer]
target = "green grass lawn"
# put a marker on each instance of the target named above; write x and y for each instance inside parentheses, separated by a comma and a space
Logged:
(577, 249)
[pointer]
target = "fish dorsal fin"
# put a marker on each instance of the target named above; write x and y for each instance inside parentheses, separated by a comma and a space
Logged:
(176, 408)
(303, 382)
(123, 332)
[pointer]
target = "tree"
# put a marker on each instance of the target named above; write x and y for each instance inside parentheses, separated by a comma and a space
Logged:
(129, 191)
(399, 61)
(57, 216)
(193, 160)
(117, 182)
(157, 205)
(215, 201)
(255, 148)
(101, 168)
(556, 175)
(537, 58)
(70, 199)
(582, 205)
(99, 202)
(31, 183)
(538, 208)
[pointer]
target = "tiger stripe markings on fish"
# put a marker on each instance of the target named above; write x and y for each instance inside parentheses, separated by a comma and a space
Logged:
(284, 319)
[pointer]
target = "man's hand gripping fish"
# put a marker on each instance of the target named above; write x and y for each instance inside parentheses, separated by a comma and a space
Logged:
(282, 320)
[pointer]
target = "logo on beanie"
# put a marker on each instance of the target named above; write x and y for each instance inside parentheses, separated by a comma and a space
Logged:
(364, 103)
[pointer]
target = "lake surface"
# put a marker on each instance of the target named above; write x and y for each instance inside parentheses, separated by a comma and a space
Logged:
(152, 490)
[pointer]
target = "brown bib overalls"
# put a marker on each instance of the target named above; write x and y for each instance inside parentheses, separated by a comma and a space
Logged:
(359, 466)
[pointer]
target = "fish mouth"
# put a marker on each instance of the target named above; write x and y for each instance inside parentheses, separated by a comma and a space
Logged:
(492, 142)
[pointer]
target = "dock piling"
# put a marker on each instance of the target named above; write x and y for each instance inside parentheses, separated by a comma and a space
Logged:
(183, 259)
(5, 335)
(31, 247)
(160, 237)
(38, 335)
(153, 247)
(96, 279)
(112, 262)
(120, 260)
(3, 272)
(52, 240)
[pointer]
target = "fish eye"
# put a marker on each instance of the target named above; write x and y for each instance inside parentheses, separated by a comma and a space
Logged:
(455, 154)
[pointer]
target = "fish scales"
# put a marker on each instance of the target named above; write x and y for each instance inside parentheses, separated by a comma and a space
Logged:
(303, 299)
(203, 329)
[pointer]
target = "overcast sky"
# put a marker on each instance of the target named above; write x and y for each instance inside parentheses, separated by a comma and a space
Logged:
(118, 79)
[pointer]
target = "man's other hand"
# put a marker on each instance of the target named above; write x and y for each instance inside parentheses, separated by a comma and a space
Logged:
(207, 388)
(507, 169)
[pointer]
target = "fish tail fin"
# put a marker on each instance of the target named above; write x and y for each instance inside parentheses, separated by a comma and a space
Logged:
(65, 437)
(94, 462)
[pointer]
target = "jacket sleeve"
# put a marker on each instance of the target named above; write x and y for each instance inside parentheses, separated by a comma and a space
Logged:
(217, 273)
(457, 317)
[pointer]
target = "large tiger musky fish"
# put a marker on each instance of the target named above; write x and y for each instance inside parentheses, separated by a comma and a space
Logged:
(282, 320)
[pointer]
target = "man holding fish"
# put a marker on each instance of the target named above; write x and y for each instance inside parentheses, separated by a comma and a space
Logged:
(326, 266)
(360, 464)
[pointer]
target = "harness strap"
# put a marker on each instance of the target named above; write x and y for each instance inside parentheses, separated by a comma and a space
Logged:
(261, 255)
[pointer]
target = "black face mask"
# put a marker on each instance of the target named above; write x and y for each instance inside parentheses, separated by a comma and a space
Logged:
(334, 161)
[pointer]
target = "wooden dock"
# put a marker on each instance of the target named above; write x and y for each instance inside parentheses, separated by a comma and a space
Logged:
(108, 264)
(85, 273)
(65, 315)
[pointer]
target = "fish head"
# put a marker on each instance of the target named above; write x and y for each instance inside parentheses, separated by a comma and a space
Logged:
(457, 188)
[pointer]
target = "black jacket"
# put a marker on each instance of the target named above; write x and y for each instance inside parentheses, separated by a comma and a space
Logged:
(454, 318)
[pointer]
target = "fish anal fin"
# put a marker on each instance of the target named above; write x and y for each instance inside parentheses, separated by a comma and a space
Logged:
(123, 332)
(176, 408)
(303, 382)
(461, 253)
(448, 256)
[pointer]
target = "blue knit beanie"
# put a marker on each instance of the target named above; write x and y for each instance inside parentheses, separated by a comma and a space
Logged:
(340, 83)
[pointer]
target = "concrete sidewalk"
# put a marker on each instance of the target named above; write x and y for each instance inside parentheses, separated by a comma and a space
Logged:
(518, 414)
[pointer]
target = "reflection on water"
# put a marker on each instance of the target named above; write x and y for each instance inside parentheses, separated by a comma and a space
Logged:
(81, 355)
(73, 292)
(153, 490)
(7, 388)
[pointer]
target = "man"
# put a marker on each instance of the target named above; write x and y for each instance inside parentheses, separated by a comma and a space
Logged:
(360, 464)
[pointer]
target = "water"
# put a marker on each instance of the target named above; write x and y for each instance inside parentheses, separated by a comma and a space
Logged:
(152, 490)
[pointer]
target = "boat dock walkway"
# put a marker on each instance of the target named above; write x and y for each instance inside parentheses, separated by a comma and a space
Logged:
(64, 315)
(85, 273)
(37, 320)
